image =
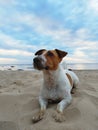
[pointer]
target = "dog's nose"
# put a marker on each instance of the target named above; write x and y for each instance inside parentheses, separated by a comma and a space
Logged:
(36, 60)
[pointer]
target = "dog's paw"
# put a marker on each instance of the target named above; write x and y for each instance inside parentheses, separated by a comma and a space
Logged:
(38, 116)
(59, 117)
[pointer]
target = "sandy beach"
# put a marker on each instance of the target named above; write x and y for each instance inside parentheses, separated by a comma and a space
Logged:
(19, 91)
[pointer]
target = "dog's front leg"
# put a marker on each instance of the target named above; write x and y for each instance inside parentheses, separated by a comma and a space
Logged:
(39, 115)
(59, 115)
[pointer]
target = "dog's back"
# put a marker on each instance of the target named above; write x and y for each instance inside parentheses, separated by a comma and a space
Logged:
(73, 76)
(70, 74)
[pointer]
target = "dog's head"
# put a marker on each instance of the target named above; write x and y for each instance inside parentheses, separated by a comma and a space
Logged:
(48, 59)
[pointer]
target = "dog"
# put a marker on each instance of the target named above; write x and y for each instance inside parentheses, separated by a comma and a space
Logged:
(58, 82)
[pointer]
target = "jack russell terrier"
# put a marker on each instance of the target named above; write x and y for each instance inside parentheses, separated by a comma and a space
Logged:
(58, 82)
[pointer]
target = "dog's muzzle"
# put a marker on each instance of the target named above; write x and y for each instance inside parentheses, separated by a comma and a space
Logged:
(39, 63)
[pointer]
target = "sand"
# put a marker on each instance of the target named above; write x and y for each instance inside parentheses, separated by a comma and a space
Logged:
(19, 92)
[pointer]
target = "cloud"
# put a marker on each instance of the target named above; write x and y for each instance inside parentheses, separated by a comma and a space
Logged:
(94, 5)
(11, 42)
(86, 54)
(29, 26)
(15, 57)
(8, 60)
(52, 29)
(6, 2)
(15, 53)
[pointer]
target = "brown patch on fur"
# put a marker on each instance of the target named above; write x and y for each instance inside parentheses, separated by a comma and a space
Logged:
(70, 79)
(52, 59)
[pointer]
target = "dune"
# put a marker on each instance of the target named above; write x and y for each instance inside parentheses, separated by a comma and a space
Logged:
(19, 91)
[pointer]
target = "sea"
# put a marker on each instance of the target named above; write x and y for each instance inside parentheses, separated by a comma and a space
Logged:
(29, 67)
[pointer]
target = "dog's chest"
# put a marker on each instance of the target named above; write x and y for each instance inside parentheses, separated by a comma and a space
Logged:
(52, 88)
(52, 93)
(50, 80)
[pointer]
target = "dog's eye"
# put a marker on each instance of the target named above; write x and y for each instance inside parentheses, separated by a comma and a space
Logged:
(49, 53)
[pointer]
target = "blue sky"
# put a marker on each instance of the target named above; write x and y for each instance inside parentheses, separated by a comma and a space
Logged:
(29, 25)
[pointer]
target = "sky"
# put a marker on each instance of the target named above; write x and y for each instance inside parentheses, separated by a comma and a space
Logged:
(29, 25)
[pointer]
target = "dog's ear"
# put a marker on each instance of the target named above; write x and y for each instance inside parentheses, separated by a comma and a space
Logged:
(40, 52)
(60, 53)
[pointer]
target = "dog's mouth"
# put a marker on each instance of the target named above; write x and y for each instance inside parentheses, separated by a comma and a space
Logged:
(39, 65)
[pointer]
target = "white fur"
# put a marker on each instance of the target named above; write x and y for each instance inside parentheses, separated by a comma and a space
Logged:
(56, 85)
(63, 64)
